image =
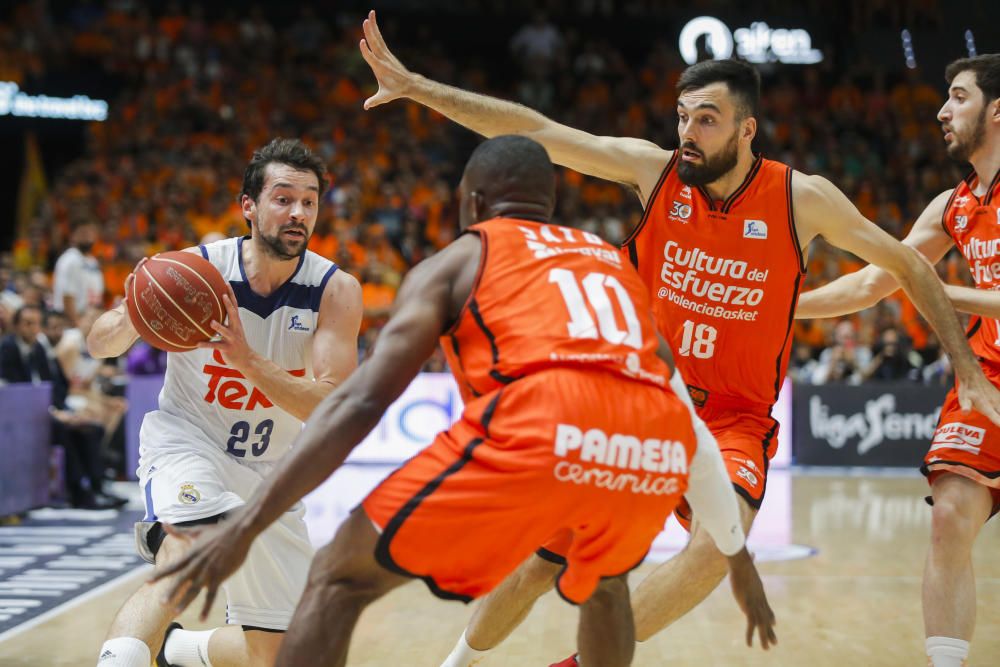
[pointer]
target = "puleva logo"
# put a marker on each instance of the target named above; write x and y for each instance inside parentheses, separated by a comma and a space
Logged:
(754, 229)
(295, 325)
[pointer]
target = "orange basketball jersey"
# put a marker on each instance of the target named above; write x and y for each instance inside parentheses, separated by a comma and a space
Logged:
(974, 224)
(549, 296)
(724, 277)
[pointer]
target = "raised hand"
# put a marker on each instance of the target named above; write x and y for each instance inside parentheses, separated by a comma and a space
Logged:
(393, 78)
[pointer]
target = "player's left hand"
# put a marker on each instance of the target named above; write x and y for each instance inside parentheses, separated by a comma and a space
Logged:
(232, 340)
(749, 593)
(214, 553)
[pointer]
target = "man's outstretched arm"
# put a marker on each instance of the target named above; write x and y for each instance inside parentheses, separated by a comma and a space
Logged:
(866, 287)
(633, 162)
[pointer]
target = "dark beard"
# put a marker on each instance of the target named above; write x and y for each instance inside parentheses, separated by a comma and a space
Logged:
(963, 150)
(713, 168)
(275, 247)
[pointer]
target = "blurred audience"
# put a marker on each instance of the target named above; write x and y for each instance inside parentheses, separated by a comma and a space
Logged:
(200, 87)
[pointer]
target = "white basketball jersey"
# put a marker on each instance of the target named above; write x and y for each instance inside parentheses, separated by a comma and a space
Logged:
(213, 402)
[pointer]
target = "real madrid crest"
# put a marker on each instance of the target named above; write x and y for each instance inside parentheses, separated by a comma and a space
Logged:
(189, 495)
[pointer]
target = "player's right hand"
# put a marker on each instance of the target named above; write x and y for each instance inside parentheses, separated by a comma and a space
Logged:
(977, 393)
(749, 593)
(393, 78)
(215, 552)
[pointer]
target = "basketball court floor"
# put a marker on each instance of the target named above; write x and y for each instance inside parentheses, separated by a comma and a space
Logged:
(841, 555)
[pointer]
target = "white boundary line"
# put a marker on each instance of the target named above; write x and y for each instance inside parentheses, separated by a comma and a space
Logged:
(74, 602)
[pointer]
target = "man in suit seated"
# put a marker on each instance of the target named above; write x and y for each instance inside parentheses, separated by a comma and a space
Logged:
(25, 356)
(22, 356)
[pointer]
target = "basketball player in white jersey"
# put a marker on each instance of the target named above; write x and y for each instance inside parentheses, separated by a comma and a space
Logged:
(230, 409)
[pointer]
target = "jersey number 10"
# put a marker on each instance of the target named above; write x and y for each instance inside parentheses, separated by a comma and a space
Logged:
(596, 287)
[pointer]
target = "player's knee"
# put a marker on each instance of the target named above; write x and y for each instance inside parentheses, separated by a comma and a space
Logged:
(350, 590)
(609, 593)
(951, 525)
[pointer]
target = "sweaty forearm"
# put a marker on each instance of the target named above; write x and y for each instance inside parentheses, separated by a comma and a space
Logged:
(296, 395)
(483, 114)
(847, 294)
(337, 425)
(974, 301)
(927, 293)
(112, 335)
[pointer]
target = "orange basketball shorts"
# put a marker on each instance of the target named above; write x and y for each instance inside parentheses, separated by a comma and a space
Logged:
(748, 438)
(585, 454)
(966, 444)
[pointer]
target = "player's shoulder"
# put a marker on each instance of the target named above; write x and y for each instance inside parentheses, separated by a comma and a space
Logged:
(222, 249)
(341, 288)
(809, 183)
(934, 212)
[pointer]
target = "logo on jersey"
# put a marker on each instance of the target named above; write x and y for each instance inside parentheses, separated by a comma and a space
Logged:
(958, 436)
(230, 389)
(680, 212)
(650, 459)
(961, 201)
(754, 229)
(698, 395)
(189, 495)
(296, 325)
(746, 475)
(546, 242)
(685, 192)
(961, 222)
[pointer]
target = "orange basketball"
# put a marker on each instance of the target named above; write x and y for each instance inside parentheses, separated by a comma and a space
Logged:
(173, 300)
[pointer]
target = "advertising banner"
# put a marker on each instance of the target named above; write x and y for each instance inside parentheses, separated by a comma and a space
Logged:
(24, 466)
(875, 424)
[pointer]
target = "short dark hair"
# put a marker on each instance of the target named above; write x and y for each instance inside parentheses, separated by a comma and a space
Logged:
(511, 158)
(19, 313)
(292, 152)
(742, 79)
(986, 68)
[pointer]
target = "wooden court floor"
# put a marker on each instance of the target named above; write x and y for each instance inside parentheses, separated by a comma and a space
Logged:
(855, 602)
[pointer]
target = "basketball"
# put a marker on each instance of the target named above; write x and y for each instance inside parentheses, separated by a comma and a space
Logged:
(173, 299)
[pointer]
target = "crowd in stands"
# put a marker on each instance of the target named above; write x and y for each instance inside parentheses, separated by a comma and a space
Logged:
(198, 94)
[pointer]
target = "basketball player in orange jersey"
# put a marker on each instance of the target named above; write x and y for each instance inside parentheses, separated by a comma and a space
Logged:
(963, 464)
(540, 324)
(720, 248)
(229, 410)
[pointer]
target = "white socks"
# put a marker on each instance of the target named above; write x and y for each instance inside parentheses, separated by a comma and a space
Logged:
(124, 652)
(188, 648)
(946, 652)
(463, 655)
